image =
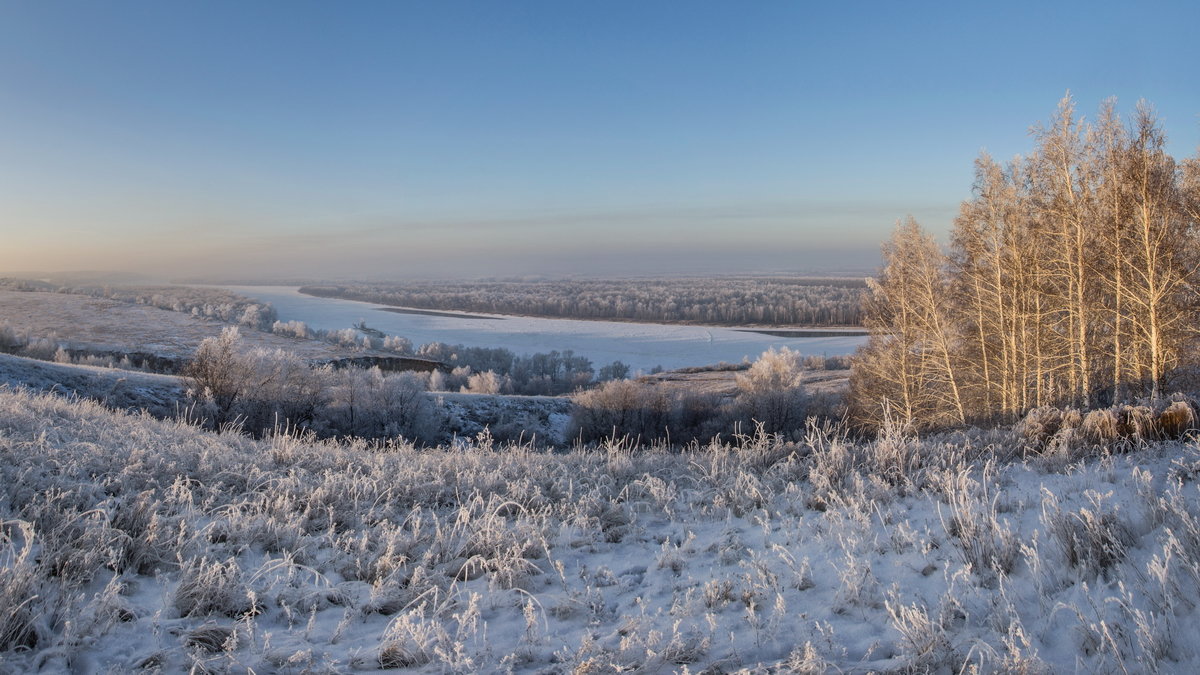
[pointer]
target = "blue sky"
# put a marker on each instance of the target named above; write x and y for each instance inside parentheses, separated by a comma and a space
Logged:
(391, 139)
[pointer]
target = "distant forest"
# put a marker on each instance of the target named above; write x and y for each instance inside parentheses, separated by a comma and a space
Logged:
(728, 301)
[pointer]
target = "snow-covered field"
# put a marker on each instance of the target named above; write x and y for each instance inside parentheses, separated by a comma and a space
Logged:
(129, 544)
(86, 322)
(640, 345)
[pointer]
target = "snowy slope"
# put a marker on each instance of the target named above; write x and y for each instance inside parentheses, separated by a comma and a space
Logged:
(134, 544)
(161, 395)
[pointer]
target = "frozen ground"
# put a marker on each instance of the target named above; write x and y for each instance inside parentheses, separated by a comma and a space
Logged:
(135, 545)
(640, 345)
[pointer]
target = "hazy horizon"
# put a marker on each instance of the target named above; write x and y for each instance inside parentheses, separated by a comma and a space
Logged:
(459, 140)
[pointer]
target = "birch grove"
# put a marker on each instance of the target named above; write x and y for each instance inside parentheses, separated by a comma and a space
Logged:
(1071, 280)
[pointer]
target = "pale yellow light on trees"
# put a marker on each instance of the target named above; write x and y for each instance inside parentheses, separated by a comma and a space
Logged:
(1073, 278)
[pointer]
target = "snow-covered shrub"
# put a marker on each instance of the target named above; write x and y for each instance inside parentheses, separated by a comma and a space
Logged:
(651, 413)
(296, 329)
(258, 317)
(10, 339)
(1100, 426)
(484, 383)
(346, 337)
(1123, 426)
(1040, 425)
(779, 411)
(772, 394)
(42, 348)
(822, 362)
(620, 409)
(400, 345)
(1177, 419)
(398, 406)
(1137, 423)
(216, 369)
(457, 378)
(267, 390)
(437, 381)
(775, 370)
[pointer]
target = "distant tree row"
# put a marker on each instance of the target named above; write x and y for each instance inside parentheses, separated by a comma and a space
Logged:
(1071, 280)
(207, 302)
(720, 301)
(503, 371)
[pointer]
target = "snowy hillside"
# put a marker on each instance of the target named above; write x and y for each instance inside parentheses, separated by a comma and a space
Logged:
(130, 544)
(161, 395)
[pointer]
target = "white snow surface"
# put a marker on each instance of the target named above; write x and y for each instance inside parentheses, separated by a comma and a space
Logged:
(639, 345)
(131, 544)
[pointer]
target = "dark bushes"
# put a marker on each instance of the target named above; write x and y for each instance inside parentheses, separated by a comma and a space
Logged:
(1117, 426)
(770, 399)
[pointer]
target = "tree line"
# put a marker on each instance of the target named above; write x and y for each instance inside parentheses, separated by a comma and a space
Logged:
(207, 302)
(718, 301)
(1071, 280)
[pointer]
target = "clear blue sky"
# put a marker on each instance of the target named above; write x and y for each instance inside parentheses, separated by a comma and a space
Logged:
(389, 139)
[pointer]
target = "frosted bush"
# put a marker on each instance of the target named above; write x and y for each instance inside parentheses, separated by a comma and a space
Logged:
(484, 383)
(774, 370)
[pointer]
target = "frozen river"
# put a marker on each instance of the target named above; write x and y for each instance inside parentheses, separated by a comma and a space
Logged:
(640, 345)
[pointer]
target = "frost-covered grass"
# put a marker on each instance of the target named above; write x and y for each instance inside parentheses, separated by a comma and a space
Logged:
(134, 544)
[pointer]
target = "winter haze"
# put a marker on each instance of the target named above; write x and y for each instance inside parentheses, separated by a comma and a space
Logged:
(399, 139)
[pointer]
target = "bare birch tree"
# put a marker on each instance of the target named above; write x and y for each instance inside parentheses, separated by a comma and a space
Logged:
(1072, 279)
(1161, 252)
(908, 367)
